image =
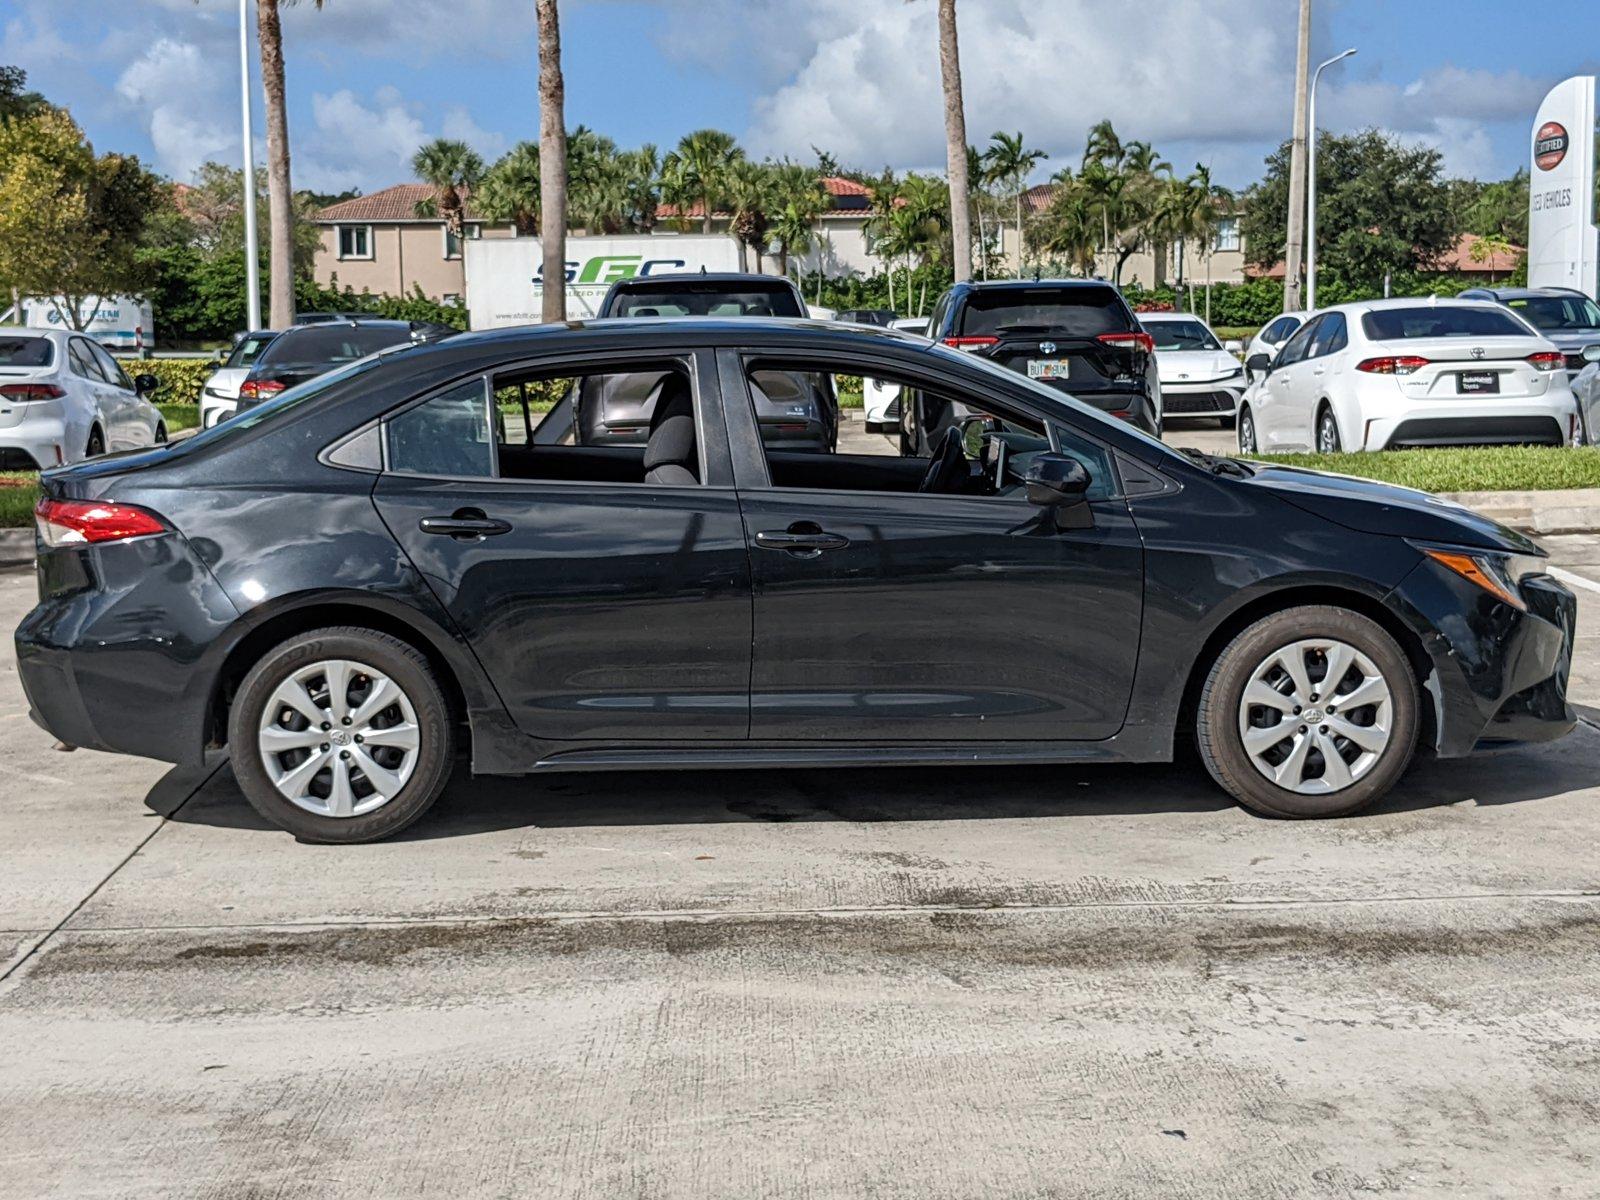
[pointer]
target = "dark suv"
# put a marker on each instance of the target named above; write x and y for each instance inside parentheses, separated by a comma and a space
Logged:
(796, 411)
(306, 351)
(1076, 335)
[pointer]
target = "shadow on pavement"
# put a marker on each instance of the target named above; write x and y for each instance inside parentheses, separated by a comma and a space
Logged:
(471, 806)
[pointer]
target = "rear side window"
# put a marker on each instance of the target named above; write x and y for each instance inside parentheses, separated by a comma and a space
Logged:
(1073, 312)
(332, 342)
(26, 352)
(707, 302)
(1436, 321)
(449, 434)
(247, 351)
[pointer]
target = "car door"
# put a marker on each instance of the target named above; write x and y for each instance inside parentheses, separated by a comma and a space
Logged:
(98, 397)
(885, 614)
(1325, 370)
(129, 412)
(603, 608)
(1283, 390)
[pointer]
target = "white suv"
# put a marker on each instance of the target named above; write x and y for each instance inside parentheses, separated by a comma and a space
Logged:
(1391, 373)
(64, 398)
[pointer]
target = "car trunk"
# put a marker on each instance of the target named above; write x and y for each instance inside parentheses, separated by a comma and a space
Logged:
(1103, 372)
(1458, 368)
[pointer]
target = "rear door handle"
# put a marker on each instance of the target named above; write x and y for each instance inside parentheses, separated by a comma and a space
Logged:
(803, 543)
(466, 525)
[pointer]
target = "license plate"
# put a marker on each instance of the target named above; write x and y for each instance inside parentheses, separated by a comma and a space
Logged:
(1049, 368)
(1477, 383)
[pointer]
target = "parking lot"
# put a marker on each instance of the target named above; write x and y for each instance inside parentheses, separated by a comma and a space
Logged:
(1048, 982)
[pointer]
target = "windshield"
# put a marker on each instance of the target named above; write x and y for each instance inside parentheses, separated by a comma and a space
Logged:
(1557, 312)
(26, 352)
(1079, 311)
(1181, 335)
(679, 301)
(1048, 397)
(1440, 321)
(332, 343)
(249, 349)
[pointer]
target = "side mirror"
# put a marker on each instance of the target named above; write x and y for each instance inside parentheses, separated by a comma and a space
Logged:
(1233, 346)
(146, 385)
(1591, 353)
(1055, 480)
(1259, 364)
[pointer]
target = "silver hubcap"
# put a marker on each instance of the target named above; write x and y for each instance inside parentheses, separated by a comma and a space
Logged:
(1247, 436)
(339, 738)
(1316, 716)
(1328, 436)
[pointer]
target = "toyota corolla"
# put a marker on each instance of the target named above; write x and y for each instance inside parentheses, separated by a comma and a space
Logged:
(401, 564)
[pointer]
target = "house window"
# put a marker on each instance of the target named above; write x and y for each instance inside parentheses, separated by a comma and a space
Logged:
(355, 241)
(1227, 234)
(452, 244)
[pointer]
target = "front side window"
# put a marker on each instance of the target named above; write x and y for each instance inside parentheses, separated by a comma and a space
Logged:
(449, 434)
(1299, 346)
(1439, 321)
(355, 241)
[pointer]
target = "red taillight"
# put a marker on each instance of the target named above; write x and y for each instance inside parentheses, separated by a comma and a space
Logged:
(259, 389)
(31, 391)
(1142, 340)
(1403, 364)
(1548, 360)
(971, 343)
(81, 522)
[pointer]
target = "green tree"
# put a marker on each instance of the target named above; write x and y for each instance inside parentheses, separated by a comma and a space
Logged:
(509, 190)
(800, 199)
(15, 99)
(452, 168)
(1498, 209)
(696, 172)
(1069, 229)
(1382, 208)
(1008, 159)
(70, 223)
(751, 197)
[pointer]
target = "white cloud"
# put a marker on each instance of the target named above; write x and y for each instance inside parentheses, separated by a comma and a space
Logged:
(181, 119)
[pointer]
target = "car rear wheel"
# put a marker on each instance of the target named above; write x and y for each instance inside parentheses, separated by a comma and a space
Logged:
(1247, 432)
(341, 735)
(97, 444)
(161, 434)
(1309, 712)
(1328, 432)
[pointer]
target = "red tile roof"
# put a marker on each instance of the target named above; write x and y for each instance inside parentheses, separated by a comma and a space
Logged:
(1457, 260)
(397, 203)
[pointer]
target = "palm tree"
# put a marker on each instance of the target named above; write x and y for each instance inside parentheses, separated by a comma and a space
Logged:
(750, 196)
(510, 189)
(922, 226)
(883, 237)
(697, 171)
(800, 199)
(1192, 208)
(596, 184)
(552, 163)
(280, 193)
(1069, 227)
(1009, 159)
(641, 186)
(453, 170)
(955, 137)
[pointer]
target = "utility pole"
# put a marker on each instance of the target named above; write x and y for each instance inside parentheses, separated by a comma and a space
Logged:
(252, 255)
(1294, 246)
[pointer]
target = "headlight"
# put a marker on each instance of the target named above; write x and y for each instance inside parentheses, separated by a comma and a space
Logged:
(1499, 574)
(1233, 374)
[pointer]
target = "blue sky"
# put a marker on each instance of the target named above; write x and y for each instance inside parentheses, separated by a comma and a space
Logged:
(1206, 80)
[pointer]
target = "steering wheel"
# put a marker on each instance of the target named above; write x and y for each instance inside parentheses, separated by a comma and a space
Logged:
(949, 469)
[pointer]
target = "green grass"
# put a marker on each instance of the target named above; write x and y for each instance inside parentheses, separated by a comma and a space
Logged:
(1243, 332)
(18, 494)
(1474, 469)
(180, 416)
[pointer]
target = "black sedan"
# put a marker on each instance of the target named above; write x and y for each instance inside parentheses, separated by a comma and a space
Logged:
(352, 584)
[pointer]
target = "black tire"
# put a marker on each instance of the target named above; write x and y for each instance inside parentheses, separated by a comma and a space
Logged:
(1328, 440)
(1247, 433)
(161, 433)
(408, 669)
(1217, 716)
(97, 444)
(1225, 422)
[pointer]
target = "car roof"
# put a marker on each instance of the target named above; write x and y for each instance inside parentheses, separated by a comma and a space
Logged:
(37, 331)
(1363, 306)
(1517, 293)
(360, 322)
(1170, 316)
(679, 278)
(1025, 285)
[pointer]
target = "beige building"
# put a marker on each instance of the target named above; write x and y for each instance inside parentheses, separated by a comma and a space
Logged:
(378, 244)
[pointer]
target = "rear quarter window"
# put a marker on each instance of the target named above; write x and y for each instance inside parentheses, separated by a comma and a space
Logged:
(1082, 312)
(1429, 321)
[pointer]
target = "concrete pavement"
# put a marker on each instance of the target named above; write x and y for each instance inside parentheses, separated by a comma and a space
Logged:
(1049, 983)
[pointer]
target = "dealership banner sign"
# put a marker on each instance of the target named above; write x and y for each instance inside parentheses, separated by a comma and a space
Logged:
(505, 276)
(1563, 244)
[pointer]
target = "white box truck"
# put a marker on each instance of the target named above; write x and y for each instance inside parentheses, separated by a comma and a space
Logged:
(123, 324)
(505, 276)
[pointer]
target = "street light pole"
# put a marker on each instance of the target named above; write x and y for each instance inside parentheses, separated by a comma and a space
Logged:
(252, 256)
(1311, 190)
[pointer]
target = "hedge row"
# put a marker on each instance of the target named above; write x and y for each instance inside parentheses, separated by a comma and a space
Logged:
(180, 378)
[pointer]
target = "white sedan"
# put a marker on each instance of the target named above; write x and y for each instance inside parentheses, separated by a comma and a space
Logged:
(1271, 336)
(881, 397)
(63, 398)
(1200, 377)
(1394, 373)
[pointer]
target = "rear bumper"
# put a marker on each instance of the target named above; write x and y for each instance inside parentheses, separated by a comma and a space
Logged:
(1545, 420)
(42, 441)
(1498, 674)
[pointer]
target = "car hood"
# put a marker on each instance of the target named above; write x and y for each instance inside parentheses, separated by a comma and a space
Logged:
(1367, 506)
(1184, 366)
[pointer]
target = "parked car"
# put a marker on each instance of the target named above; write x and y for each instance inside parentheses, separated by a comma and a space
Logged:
(882, 398)
(1270, 338)
(1572, 322)
(1586, 388)
(219, 395)
(884, 318)
(64, 398)
(306, 351)
(348, 585)
(1391, 373)
(320, 318)
(1200, 377)
(1075, 335)
(797, 412)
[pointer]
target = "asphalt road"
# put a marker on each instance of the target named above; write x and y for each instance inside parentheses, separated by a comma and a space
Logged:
(958, 983)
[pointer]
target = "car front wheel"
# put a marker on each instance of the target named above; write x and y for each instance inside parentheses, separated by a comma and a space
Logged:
(1309, 712)
(1247, 432)
(341, 735)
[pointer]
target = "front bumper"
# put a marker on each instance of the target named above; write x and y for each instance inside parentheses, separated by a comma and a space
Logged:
(1498, 674)
(1213, 398)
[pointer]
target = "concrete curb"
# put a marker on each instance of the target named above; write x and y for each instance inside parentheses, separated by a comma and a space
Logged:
(16, 547)
(1575, 510)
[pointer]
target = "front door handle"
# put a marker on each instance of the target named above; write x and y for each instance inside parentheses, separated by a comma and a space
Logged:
(465, 524)
(802, 539)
